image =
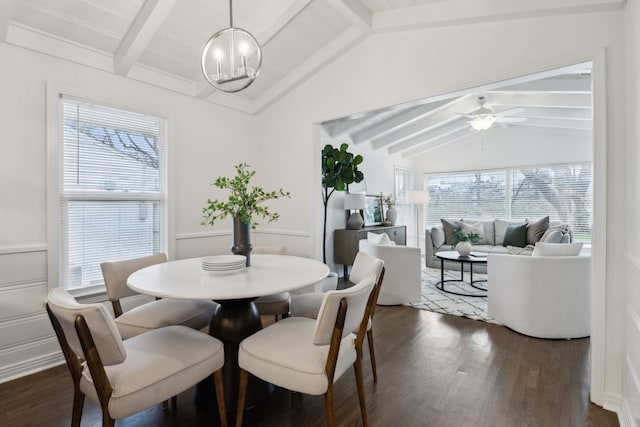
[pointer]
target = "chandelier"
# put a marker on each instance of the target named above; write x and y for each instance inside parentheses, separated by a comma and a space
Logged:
(231, 58)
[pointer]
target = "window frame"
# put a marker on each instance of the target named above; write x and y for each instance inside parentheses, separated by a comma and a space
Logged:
(508, 188)
(56, 242)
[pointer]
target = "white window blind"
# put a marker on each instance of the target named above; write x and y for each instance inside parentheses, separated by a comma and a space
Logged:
(564, 192)
(111, 189)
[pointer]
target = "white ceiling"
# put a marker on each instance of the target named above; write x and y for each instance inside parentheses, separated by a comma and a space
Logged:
(160, 41)
(557, 99)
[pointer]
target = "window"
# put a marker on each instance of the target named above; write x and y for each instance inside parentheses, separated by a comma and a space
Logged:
(404, 184)
(564, 192)
(111, 188)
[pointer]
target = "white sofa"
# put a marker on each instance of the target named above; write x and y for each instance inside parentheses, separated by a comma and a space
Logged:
(402, 278)
(541, 296)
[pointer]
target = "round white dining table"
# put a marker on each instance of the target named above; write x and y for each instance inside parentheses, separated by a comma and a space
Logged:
(236, 316)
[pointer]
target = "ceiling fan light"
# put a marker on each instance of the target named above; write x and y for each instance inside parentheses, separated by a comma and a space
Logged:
(482, 121)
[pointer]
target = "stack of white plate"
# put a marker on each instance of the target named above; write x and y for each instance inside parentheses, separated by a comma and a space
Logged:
(224, 264)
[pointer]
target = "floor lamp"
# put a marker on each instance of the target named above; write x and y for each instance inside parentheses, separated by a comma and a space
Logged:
(417, 198)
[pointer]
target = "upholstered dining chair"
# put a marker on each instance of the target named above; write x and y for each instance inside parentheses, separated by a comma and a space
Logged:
(275, 304)
(195, 314)
(307, 355)
(125, 377)
(308, 305)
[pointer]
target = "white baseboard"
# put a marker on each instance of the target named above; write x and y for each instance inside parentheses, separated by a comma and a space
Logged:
(612, 402)
(625, 417)
(30, 366)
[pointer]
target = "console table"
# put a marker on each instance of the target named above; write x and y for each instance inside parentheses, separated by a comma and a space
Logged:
(345, 242)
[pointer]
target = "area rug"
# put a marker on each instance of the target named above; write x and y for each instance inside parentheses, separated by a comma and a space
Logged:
(433, 299)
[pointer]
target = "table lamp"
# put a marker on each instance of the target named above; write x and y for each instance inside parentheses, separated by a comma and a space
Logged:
(354, 202)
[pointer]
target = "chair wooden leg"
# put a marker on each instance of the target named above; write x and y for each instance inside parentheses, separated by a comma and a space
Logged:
(242, 394)
(78, 403)
(107, 421)
(360, 382)
(372, 355)
(222, 410)
(328, 406)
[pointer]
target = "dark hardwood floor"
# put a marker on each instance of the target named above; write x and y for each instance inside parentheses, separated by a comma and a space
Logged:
(434, 370)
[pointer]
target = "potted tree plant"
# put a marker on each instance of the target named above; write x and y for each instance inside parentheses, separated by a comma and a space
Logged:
(339, 169)
(244, 205)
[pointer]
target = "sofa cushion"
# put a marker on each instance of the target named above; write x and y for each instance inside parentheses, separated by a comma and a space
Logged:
(475, 228)
(481, 249)
(448, 227)
(535, 230)
(557, 249)
(500, 230)
(515, 235)
(553, 236)
(437, 236)
(498, 250)
(378, 238)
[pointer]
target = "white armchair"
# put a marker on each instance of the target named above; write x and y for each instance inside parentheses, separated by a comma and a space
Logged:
(541, 296)
(402, 281)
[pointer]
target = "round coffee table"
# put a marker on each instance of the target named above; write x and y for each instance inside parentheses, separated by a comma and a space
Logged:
(470, 259)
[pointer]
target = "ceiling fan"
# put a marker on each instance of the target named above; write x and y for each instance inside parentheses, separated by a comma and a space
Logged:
(485, 117)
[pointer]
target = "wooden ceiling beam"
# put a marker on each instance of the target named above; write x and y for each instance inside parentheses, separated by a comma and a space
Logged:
(355, 12)
(6, 8)
(152, 14)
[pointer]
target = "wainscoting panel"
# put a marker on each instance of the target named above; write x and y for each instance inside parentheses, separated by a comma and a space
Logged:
(18, 268)
(192, 245)
(21, 301)
(27, 341)
(631, 405)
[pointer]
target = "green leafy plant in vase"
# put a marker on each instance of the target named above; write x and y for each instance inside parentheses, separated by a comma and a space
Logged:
(462, 241)
(244, 205)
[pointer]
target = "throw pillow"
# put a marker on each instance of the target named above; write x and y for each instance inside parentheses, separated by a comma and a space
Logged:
(437, 236)
(515, 235)
(501, 228)
(557, 249)
(448, 227)
(535, 230)
(553, 236)
(476, 228)
(378, 239)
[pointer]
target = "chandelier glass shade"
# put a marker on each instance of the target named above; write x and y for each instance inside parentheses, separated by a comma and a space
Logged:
(482, 121)
(231, 58)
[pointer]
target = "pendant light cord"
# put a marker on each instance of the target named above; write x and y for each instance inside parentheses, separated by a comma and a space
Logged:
(230, 13)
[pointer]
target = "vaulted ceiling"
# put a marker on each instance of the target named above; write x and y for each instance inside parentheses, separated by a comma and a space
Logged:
(561, 99)
(160, 41)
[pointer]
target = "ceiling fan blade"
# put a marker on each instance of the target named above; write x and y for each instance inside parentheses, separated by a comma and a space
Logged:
(510, 112)
(510, 119)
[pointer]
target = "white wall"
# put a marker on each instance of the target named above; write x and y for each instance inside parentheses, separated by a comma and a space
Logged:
(425, 63)
(631, 406)
(206, 141)
(499, 148)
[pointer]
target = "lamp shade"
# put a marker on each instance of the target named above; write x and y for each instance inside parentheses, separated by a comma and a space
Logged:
(354, 201)
(417, 197)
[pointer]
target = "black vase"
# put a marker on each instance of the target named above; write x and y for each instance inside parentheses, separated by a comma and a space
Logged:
(241, 239)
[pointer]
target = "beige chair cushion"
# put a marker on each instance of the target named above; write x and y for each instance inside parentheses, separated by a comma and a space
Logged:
(159, 364)
(116, 274)
(103, 329)
(284, 354)
(273, 304)
(356, 296)
(308, 305)
(195, 314)
(364, 265)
